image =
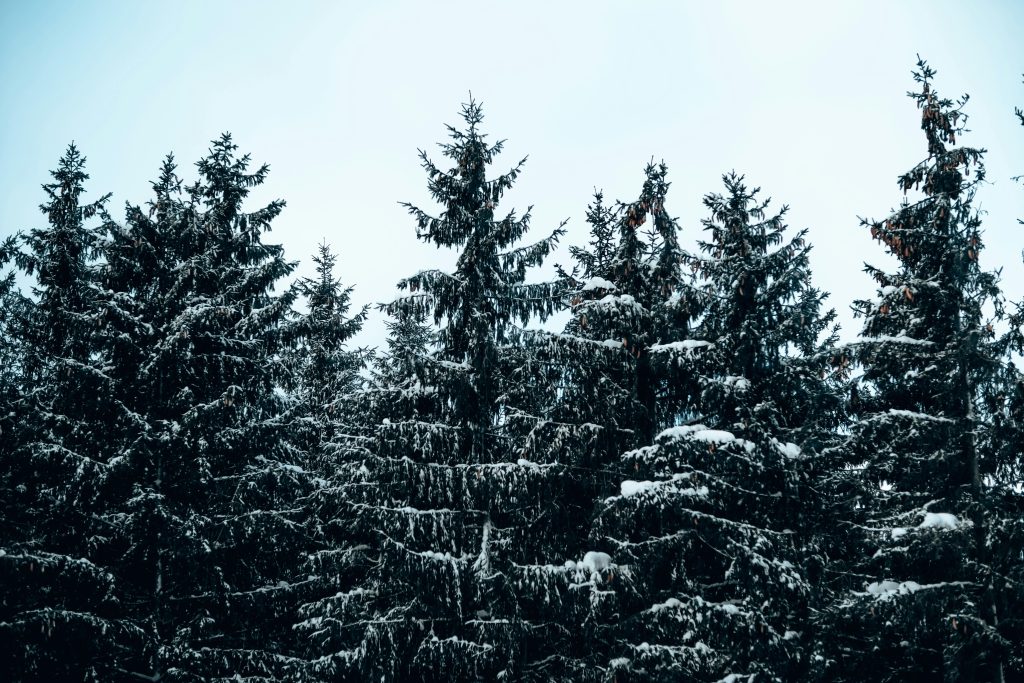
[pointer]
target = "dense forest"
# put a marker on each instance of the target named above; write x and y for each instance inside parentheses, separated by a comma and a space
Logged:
(203, 478)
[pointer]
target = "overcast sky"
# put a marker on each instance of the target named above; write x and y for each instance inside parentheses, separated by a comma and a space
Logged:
(806, 99)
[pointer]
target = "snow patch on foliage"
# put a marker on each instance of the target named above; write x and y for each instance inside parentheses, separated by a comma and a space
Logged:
(900, 339)
(617, 300)
(597, 283)
(737, 382)
(699, 432)
(918, 416)
(631, 488)
(685, 345)
(939, 520)
(790, 450)
(596, 561)
(671, 603)
(440, 557)
(884, 589)
(713, 436)
(593, 561)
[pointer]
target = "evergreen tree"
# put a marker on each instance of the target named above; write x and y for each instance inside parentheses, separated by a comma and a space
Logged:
(1007, 524)
(10, 383)
(323, 370)
(327, 386)
(58, 619)
(409, 340)
(448, 497)
(333, 622)
(595, 260)
(707, 529)
(917, 596)
(576, 401)
(205, 485)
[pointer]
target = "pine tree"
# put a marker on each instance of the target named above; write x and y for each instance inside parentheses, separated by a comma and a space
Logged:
(205, 486)
(10, 383)
(327, 387)
(409, 340)
(1006, 523)
(332, 624)
(916, 597)
(59, 615)
(324, 371)
(595, 260)
(707, 530)
(578, 399)
(447, 498)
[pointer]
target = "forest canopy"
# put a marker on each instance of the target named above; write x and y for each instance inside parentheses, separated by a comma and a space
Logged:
(204, 478)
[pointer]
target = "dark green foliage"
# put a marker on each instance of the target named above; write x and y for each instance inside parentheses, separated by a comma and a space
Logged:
(59, 617)
(922, 502)
(708, 529)
(447, 500)
(326, 420)
(690, 481)
(577, 400)
(10, 378)
(203, 490)
(323, 370)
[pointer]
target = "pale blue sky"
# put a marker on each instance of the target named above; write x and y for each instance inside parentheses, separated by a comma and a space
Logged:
(807, 99)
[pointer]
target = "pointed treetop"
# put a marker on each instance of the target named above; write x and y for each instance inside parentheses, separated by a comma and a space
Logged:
(942, 119)
(69, 184)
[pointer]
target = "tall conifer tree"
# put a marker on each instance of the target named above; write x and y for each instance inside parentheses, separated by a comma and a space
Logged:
(916, 598)
(578, 399)
(706, 524)
(324, 371)
(59, 614)
(447, 497)
(332, 429)
(10, 385)
(205, 485)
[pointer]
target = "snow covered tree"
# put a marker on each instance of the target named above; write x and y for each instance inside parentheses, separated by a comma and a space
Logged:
(327, 390)
(332, 622)
(204, 491)
(58, 620)
(707, 529)
(917, 595)
(635, 297)
(409, 340)
(446, 494)
(1006, 523)
(576, 401)
(10, 380)
(324, 371)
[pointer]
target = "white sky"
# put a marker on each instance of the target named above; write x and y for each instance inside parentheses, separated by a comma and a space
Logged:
(806, 99)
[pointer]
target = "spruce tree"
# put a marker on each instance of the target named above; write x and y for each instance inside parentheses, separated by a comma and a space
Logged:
(323, 370)
(917, 596)
(1007, 525)
(10, 382)
(577, 400)
(409, 340)
(59, 618)
(447, 497)
(706, 525)
(326, 387)
(205, 487)
(333, 622)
